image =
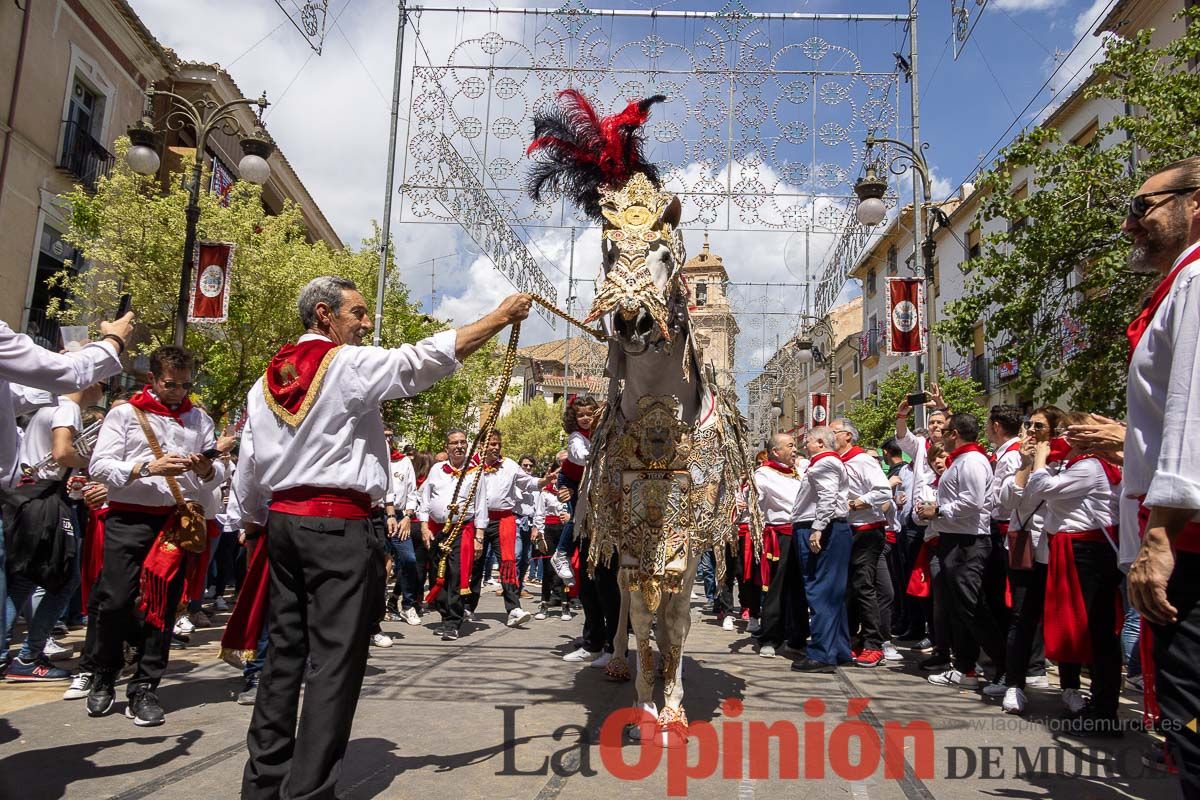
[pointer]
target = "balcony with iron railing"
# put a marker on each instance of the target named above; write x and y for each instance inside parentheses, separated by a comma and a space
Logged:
(981, 373)
(83, 156)
(869, 344)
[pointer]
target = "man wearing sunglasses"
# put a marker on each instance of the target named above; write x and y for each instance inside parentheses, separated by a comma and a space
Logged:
(141, 501)
(1161, 494)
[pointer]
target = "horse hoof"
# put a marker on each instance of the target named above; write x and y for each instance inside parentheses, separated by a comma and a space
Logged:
(673, 727)
(617, 669)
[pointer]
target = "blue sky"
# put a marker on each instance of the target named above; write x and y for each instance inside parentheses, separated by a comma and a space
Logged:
(331, 112)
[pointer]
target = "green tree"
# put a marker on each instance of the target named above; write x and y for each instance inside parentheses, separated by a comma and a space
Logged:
(1055, 292)
(130, 234)
(875, 416)
(533, 429)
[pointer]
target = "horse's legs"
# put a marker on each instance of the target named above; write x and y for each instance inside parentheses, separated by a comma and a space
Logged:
(618, 667)
(677, 621)
(641, 618)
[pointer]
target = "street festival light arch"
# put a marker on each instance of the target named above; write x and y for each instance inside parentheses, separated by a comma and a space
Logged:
(762, 130)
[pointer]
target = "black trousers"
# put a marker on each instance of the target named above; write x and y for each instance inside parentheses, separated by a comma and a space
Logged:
(1029, 604)
(450, 602)
(600, 597)
(995, 576)
(973, 625)
(936, 609)
(1176, 654)
(887, 586)
(553, 590)
(862, 600)
(128, 537)
(512, 592)
(327, 584)
(749, 592)
(909, 619)
(785, 603)
(426, 564)
(1100, 583)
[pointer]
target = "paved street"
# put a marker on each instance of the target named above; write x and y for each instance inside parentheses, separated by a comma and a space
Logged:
(430, 721)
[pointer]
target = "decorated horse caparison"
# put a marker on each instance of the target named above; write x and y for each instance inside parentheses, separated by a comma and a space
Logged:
(668, 454)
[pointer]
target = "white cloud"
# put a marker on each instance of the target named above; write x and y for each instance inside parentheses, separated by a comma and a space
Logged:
(1028, 5)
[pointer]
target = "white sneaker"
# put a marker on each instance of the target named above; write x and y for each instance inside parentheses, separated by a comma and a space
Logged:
(766, 651)
(602, 661)
(754, 626)
(220, 605)
(54, 650)
(580, 655)
(541, 614)
(381, 640)
(566, 613)
(411, 616)
(890, 653)
(183, 625)
(997, 690)
(1037, 681)
(727, 623)
(492, 582)
(952, 677)
(468, 615)
(518, 616)
(1014, 701)
(1074, 700)
(81, 686)
(562, 565)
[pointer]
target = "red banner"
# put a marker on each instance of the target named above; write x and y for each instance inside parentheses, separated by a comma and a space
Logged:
(818, 409)
(212, 266)
(906, 326)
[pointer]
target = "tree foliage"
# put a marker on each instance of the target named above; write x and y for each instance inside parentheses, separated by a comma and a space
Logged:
(130, 236)
(1055, 292)
(534, 429)
(875, 416)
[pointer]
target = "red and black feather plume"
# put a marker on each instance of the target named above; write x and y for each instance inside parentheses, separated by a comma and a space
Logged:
(578, 152)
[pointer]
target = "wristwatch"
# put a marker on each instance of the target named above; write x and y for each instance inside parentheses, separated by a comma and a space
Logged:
(144, 472)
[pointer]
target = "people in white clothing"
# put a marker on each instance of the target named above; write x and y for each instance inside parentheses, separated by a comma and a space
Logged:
(780, 573)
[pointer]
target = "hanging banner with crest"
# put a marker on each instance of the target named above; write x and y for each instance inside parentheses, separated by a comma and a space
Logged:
(906, 328)
(818, 408)
(212, 266)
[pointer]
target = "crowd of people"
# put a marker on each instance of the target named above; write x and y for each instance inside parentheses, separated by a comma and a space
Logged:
(1068, 539)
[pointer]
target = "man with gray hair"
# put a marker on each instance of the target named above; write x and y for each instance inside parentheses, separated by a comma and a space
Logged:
(314, 455)
(823, 537)
(869, 495)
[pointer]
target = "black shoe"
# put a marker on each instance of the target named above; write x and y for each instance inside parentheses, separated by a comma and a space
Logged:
(101, 698)
(144, 710)
(809, 665)
(1090, 724)
(935, 663)
(450, 634)
(249, 693)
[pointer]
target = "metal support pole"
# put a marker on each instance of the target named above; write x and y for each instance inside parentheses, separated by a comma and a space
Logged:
(918, 206)
(570, 311)
(386, 233)
(189, 238)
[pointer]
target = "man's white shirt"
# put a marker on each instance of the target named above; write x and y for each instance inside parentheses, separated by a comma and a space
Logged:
(824, 493)
(1004, 470)
(776, 495)
(1077, 498)
(402, 485)
(436, 492)
(868, 483)
(502, 489)
(964, 497)
(340, 444)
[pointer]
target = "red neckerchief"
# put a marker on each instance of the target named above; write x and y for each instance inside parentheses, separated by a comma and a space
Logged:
(585, 434)
(488, 469)
(851, 453)
(1111, 471)
(147, 402)
(291, 371)
(396, 455)
(1142, 321)
(784, 468)
(1059, 447)
(969, 447)
(421, 480)
(819, 456)
(1012, 448)
(449, 470)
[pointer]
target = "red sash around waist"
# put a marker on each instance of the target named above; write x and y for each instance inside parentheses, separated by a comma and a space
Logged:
(1188, 540)
(572, 470)
(870, 526)
(318, 501)
(771, 534)
(1065, 623)
(920, 580)
(553, 520)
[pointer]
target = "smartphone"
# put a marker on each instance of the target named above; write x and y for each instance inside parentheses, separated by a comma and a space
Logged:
(211, 453)
(123, 305)
(918, 398)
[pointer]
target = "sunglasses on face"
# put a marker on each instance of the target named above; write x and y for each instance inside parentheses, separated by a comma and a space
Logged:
(186, 385)
(1038, 426)
(1140, 206)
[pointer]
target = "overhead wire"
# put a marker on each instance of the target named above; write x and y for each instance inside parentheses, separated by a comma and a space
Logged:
(292, 82)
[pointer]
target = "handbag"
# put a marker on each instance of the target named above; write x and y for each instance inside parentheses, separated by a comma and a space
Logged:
(1020, 543)
(186, 528)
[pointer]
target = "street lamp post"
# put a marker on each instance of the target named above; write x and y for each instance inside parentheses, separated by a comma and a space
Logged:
(203, 116)
(871, 211)
(808, 352)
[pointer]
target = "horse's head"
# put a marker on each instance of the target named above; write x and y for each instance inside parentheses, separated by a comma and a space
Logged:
(642, 255)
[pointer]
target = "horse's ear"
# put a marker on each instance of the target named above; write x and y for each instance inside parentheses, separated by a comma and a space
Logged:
(672, 213)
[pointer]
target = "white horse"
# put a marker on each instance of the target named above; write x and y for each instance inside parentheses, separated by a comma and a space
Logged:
(667, 455)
